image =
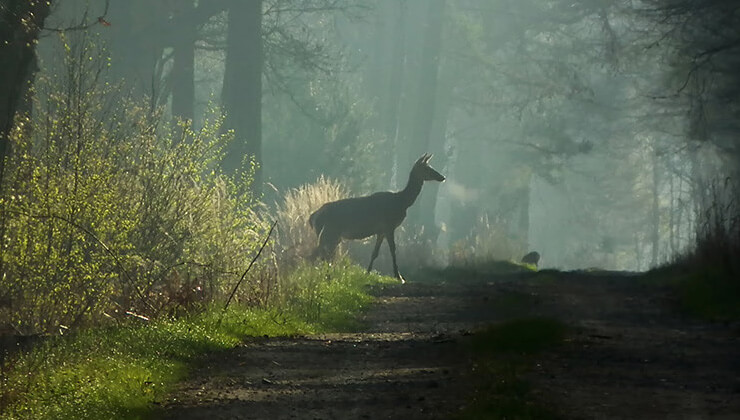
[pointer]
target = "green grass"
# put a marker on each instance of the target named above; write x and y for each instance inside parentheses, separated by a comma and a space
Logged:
(501, 354)
(118, 372)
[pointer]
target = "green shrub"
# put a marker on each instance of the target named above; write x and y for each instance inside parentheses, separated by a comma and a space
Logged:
(118, 372)
(106, 211)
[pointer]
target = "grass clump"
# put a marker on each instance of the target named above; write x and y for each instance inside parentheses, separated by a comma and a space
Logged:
(711, 295)
(501, 355)
(119, 372)
(704, 292)
(706, 280)
(296, 236)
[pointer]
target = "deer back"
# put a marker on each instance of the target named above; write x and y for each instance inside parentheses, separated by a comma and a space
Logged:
(360, 217)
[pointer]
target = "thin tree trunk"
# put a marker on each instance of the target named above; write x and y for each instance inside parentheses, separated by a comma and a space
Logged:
(672, 216)
(183, 84)
(395, 85)
(429, 125)
(242, 88)
(20, 23)
(406, 145)
(655, 213)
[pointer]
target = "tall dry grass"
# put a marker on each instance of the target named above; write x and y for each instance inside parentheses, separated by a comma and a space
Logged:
(487, 242)
(297, 239)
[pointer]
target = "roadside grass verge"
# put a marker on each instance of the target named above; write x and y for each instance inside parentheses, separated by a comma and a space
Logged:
(501, 355)
(706, 292)
(710, 295)
(118, 372)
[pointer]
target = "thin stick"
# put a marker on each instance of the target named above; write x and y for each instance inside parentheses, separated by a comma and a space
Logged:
(251, 263)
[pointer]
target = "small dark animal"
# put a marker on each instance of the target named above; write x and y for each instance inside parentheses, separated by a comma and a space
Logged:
(377, 214)
(532, 258)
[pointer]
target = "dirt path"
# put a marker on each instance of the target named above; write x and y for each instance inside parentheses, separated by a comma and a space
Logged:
(628, 356)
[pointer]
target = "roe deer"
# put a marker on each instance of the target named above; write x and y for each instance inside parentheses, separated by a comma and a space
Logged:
(377, 214)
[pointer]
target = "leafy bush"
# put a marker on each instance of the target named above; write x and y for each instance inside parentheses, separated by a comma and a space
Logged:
(104, 211)
(118, 372)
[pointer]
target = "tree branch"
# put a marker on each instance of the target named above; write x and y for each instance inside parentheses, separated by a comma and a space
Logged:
(251, 263)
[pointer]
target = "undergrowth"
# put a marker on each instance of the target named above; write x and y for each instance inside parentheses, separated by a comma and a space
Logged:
(703, 291)
(501, 355)
(297, 238)
(706, 279)
(119, 372)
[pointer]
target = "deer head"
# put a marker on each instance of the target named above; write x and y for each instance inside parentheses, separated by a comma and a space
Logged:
(424, 172)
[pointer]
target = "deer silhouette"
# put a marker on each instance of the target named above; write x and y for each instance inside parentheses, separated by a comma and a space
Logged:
(376, 214)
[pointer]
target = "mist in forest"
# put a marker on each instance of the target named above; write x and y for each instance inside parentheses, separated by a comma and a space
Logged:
(596, 133)
(263, 208)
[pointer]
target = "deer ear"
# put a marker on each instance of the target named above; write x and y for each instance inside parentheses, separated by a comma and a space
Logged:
(429, 157)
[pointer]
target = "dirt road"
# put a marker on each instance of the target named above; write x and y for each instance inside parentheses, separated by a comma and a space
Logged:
(628, 356)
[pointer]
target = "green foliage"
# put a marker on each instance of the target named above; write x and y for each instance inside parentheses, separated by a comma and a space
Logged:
(118, 372)
(328, 294)
(501, 354)
(105, 210)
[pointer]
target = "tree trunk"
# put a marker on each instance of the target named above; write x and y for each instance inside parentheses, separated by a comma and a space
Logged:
(183, 85)
(655, 213)
(436, 145)
(427, 78)
(242, 87)
(392, 101)
(20, 23)
(429, 125)
(413, 37)
(137, 38)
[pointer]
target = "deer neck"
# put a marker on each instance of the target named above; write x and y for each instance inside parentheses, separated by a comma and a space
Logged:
(411, 192)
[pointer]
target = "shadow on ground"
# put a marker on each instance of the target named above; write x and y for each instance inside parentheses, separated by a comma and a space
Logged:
(629, 355)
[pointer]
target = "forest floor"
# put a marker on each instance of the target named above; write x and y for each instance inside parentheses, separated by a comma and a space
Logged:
(628, 354)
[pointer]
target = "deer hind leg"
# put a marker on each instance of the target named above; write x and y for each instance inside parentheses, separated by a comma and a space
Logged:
(392, 246)
(378, 240)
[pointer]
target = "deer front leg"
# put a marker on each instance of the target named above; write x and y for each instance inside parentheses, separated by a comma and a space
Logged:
(392, 246)
(378, 240)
